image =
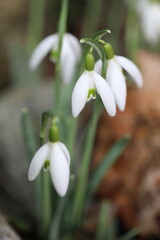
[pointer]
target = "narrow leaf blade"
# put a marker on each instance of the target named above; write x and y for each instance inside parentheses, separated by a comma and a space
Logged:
(110, 158)
(104, 222)
(27, 130)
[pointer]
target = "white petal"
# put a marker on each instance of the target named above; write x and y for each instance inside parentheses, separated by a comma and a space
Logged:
(98, 66)
(131, 68)
(66, 152)
(37, 162)
(117, 82)
(106, 94)
(75, 44)
(80, 93)
(70, 55)
(68, 64)
(59, 169)
(42, 50)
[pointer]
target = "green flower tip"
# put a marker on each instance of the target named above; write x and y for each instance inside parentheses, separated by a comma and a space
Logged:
(91, 94)
(54, 133)
(89, 62)
(108, 51)
(46, 165)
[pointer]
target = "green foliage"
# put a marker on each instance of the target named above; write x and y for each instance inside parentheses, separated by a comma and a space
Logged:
(107, 162)
(106, 228)
(28, 133)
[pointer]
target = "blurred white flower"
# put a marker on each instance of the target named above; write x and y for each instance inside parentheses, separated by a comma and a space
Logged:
(70, 54)
(116, 78)
(149, 13)
(56, 158)
(85, 89)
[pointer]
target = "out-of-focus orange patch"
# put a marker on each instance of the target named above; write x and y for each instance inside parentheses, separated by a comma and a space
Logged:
(141, 118)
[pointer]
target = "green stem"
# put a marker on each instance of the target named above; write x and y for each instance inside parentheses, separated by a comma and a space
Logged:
(72, 136)
(61, 30)
(36, 23)
(57, 91)
(62, 27)
(47, 205)
(45, 201)
(84, 168)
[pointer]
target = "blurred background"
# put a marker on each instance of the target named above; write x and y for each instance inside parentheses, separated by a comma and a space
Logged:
(133, 184)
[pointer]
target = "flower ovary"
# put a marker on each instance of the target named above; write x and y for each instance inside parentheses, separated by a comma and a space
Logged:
(89, 62)
(108, 51)
(54, 133)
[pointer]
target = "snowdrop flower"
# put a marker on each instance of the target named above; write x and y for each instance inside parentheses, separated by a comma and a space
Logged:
(115, 76)
(70, 54)
(86, 87)
(52, 156)
(149, 13)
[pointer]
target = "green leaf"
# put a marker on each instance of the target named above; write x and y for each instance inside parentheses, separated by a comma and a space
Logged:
(103, 221)
(96, 46)
(110, 158)
(56, 222)
(100, 34)
(19, 71)
(28, 133)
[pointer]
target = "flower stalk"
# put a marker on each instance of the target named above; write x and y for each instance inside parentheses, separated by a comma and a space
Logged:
(61, 30)
(84, 168)
(46, 203)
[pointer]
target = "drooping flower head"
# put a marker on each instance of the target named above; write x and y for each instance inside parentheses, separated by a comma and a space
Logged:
(52, 156)
(115, 76)
(70, 54)
(88, 85)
